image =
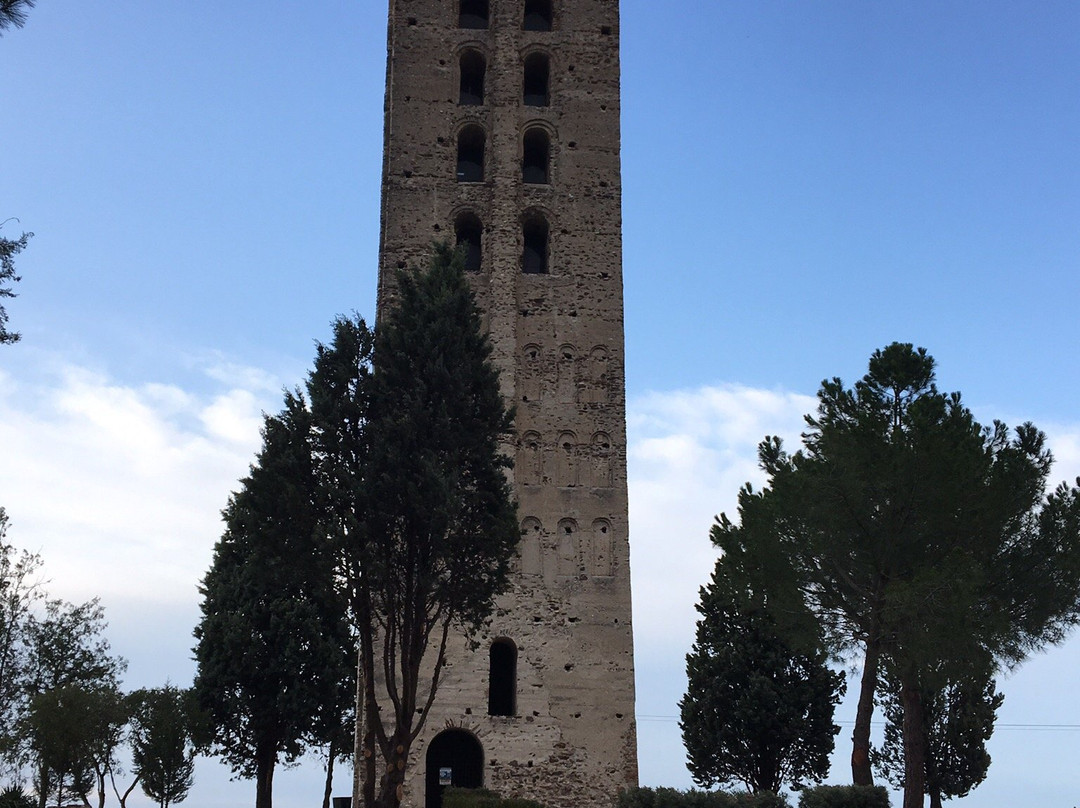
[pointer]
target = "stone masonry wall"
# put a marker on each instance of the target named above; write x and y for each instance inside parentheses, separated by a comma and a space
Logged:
(558, 340)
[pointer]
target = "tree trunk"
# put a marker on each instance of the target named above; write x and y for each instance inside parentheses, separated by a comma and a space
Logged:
(914, 741)
(359, 765)
(328, 788)
(935, 800)
(393, 780)
(265, 759)
(861, 773)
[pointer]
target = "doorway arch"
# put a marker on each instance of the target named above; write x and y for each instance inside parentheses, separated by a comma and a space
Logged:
(459, 752)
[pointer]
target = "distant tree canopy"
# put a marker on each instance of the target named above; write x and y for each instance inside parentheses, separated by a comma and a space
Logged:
(9, 248)
(757, 711)
(913, 533)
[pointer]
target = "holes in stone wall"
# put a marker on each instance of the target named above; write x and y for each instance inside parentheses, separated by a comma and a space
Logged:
(537, 80)
(502, 678)
(473, 14)
(600, 556)
(566, 461)
(537, 15)
(468, 232)
(530, 381)
(598, 380)
(470, 154)
(568, 547)
(530, 464)
(530, 547)
(601, 460)
(535, 157)
(534, 233)
(472, 68)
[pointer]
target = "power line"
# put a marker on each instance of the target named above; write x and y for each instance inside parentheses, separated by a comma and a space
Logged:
(671, 719)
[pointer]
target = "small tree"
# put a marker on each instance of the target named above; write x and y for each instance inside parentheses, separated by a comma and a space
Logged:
(19, 590)
(756, 711)
(960, 710)
(161, 747)
(274, 652)
(10, 13)
(68, 663)
(430, 549)
(75, 731)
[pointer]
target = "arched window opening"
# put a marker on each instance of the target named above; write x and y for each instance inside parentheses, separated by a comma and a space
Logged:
(470, 155)
(473, 14)
(535, 155)
(468, 232)
(534, 259)
(537, 80)
(473, 67)
(537, 15)
(502, 679)
(455, 758)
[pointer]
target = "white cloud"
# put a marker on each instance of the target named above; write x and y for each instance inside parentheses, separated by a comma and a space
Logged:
(118, 486)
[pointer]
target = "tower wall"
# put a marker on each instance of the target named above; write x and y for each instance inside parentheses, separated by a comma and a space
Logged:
(558, 339)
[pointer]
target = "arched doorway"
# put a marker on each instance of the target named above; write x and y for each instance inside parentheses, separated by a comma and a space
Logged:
(455, 758)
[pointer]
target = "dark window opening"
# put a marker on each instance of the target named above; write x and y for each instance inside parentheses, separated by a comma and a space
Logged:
(473, 14)
(470, 155)
(468, 232)
(537, 15)
(473, 68)
(536, 84)
(502, 679)
(534, 259)
(535, 156)
(455, 756)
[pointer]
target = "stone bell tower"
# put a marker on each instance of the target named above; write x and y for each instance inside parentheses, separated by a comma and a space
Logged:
(502, 135)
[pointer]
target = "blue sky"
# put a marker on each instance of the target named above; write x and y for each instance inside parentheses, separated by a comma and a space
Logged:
(803, 183)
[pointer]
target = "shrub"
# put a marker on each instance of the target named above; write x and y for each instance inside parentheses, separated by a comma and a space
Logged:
(844, 797)
(482, 798)
(13, 797)
(673, 798)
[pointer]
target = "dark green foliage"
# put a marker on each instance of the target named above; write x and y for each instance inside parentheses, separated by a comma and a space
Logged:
(162, 754)
(844, 797)
(673, 798)
(10, 13)
(68, 672)
(960, 709)
(439, 528)
(274, 650)
(756, 711)
(74, 731)
(913, 533)
(482, 798)
(14, 797)
(13, 13)
(19, 589)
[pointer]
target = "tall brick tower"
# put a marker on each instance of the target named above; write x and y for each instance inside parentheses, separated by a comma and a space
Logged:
(502, 135)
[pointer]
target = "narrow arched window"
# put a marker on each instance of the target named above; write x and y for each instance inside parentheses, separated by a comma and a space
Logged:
(534, 258)
(536, 80)
(502, 678)
(537, 15)
(473, 14)
(468, 232)
(473, 68)
(535, 155)
(470, 154)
